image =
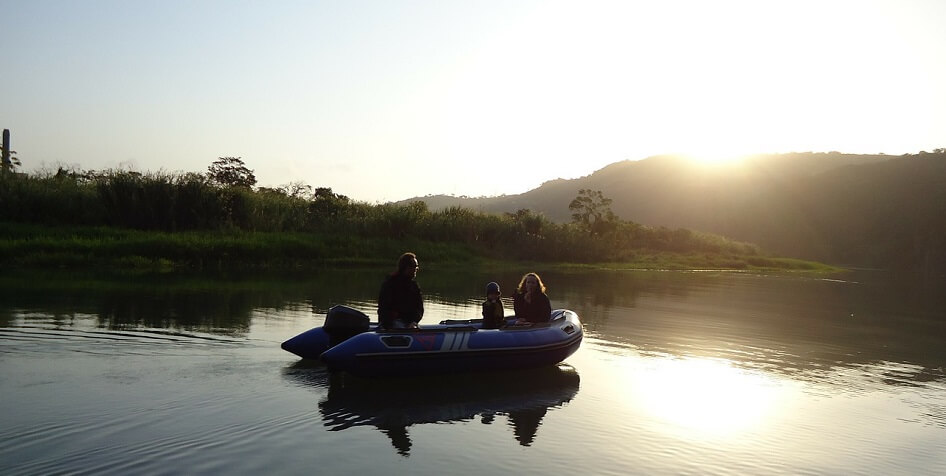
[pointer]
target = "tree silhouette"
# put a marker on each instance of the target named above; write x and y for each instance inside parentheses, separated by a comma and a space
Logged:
(13, 161)
(591, 211)
(231, 172)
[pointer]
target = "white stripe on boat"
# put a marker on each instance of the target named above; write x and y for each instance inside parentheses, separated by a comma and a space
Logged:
(448, 339)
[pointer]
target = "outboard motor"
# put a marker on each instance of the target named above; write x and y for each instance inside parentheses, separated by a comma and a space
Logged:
(343, 323)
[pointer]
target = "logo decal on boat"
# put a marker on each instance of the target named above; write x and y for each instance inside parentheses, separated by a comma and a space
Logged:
(426, 341)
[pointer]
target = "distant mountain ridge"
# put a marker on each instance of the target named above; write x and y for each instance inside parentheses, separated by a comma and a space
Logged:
(866, 210)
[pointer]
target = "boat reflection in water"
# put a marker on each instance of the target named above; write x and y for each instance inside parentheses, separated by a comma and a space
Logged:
(392, 406)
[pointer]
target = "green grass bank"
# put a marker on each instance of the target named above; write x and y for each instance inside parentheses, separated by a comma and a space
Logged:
(43, 246)
(167, 221)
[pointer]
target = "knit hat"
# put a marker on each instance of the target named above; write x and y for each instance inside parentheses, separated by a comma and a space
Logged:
(492, 287)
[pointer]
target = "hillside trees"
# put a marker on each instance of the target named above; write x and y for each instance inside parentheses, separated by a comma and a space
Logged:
(591, 211)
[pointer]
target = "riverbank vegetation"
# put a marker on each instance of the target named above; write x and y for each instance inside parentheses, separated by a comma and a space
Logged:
(866, 211)
(161, 220)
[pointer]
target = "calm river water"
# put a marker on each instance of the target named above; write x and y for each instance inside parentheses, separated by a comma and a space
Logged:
(679, 373)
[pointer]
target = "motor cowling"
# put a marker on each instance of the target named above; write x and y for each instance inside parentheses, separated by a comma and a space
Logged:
(343, 323)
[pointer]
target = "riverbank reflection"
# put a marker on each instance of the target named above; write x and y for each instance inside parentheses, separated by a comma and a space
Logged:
(523, 398)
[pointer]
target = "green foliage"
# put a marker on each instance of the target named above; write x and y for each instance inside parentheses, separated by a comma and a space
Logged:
(528, 223)
(591, 211)
(190, 220)
(231, 172)
(11, 162)
(874, 211)
(326, 207)
(60, 198)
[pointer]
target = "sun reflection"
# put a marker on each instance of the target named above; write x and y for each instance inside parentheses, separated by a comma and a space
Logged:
(705, 398)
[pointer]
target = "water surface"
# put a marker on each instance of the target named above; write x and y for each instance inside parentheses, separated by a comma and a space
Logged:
(704, 373)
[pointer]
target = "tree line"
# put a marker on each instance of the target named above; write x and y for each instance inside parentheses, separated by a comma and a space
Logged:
(226, 198)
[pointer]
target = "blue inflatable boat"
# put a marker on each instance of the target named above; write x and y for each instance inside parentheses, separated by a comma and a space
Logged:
(349, 342)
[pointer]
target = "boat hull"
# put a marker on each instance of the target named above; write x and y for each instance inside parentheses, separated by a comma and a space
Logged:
(445, 348)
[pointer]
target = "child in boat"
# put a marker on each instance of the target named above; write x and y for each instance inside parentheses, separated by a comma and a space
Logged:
(494, 316)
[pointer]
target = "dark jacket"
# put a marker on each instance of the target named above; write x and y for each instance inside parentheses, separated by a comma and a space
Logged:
(539, 310)
(494, 316)
(400, 298)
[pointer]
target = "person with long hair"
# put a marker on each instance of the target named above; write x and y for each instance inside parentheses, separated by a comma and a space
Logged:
(400, 303)
(530, 301)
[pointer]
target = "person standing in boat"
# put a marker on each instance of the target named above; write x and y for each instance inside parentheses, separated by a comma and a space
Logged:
(530, 302)
(400, 303)
(494, 316)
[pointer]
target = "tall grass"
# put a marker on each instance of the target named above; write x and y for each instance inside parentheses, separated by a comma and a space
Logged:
(186, 218)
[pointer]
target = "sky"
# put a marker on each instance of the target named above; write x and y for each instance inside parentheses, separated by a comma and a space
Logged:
(387, 100)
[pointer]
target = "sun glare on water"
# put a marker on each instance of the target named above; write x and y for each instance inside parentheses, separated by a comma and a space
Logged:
(706, 398)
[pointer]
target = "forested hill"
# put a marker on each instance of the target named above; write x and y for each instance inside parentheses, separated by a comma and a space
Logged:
(863, 210)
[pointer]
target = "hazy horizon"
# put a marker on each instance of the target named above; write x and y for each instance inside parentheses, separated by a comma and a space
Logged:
(384, 101)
